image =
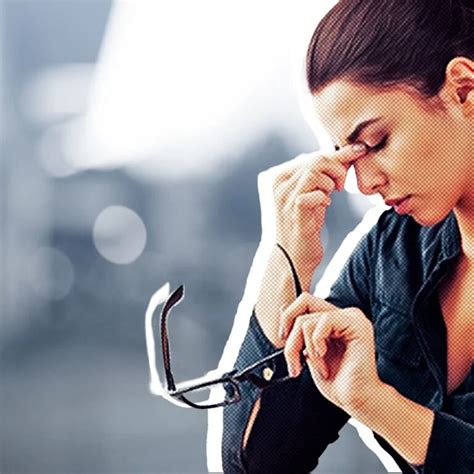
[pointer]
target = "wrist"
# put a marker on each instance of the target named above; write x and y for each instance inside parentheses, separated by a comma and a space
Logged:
(306, 278)
(302, 274)
(373, 397)
(382, 412)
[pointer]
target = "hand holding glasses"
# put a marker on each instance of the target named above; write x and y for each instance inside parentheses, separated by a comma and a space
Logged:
(197, 393)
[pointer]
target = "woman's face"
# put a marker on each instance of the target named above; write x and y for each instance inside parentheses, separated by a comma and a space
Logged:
(420, 150)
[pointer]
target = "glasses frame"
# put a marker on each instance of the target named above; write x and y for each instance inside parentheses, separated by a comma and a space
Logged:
(233, 379)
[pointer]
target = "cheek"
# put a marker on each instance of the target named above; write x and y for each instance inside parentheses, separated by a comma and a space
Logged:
(416, 155)
(425, 166)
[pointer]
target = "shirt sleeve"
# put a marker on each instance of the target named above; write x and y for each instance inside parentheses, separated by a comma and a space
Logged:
(295, 423)
(451, 447)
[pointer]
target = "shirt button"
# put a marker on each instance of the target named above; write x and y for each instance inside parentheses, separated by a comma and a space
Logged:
(267, 374)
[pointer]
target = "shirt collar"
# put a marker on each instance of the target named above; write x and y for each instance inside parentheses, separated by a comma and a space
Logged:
(451, 237)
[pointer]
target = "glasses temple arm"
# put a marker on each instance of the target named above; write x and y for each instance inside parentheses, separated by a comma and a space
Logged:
(171, 386)
(296, 280)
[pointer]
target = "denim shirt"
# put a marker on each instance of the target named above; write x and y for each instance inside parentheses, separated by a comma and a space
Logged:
(392, 276)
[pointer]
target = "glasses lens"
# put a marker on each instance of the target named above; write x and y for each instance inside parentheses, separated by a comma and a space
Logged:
(213, 394)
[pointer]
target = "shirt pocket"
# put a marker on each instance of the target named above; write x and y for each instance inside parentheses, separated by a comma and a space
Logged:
(400, 361)
(395, 336)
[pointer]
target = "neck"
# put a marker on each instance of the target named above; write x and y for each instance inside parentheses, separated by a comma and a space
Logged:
(464, 209)
(464, 212)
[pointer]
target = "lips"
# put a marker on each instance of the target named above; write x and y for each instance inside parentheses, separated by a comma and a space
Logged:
(395, 202)
(401, 206)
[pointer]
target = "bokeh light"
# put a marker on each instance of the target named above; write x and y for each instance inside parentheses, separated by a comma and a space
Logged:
(119, 234)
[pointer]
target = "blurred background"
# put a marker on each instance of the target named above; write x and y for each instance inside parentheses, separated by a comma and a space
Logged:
(132, 134)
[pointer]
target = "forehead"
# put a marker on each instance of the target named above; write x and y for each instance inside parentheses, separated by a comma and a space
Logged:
(341, 105)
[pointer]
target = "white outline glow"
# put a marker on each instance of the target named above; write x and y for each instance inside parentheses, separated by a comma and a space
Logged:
(156, 387)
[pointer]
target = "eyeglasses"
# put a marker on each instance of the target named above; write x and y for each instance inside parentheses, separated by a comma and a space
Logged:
(208, 391)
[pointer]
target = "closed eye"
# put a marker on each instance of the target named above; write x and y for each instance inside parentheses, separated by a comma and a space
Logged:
(379, 145)
(374, 148)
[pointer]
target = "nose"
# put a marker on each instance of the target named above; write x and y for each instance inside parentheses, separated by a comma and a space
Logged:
(370, 177)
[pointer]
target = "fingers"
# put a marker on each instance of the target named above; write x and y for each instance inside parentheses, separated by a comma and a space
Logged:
(348, 154)
(311, 200)
(313, 346)
(322, 330)
(315, 171)
(309, 176)
(294, 345)
(311, 179)
(337, 164)
(311, 331)
(303, 336)
(305, 303)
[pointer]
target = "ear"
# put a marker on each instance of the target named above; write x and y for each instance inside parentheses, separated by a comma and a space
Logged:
(459, 84)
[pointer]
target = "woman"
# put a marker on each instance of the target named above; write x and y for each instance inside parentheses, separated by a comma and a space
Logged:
(393, 345)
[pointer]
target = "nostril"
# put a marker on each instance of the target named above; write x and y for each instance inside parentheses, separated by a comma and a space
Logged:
(367, 189)
(369, 179)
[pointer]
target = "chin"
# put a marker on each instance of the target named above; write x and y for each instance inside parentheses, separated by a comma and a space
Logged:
(427, 218)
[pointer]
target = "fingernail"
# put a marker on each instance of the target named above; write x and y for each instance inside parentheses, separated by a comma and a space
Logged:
(358, 147)
(292, 370)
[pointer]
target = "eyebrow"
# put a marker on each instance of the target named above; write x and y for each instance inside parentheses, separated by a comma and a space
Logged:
(353, 137)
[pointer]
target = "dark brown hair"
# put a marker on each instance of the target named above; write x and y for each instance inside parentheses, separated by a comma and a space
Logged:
(390, 42)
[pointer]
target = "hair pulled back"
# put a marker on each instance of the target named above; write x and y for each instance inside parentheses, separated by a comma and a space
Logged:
(389, 42)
